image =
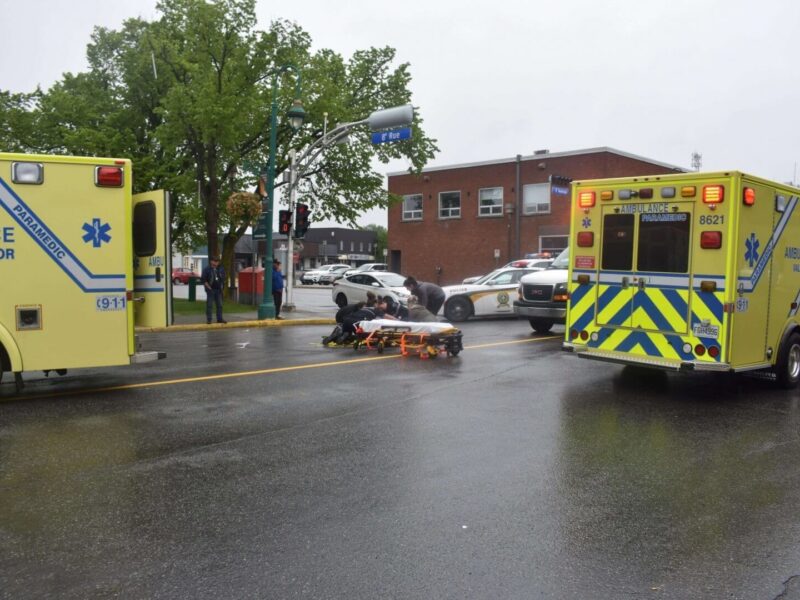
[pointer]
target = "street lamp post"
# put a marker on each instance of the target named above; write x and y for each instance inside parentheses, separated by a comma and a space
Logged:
(296, 114)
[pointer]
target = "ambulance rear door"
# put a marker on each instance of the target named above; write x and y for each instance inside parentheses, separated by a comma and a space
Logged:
(152, 291)
(644, 266)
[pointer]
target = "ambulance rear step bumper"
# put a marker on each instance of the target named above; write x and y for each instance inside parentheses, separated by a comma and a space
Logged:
(144, 357)
(644, 361)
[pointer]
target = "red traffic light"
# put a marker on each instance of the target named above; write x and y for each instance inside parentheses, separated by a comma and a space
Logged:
(284, 222)
(301, 220)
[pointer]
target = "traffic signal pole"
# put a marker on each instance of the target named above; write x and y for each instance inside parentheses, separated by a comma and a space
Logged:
(379, 119)
(288, 302)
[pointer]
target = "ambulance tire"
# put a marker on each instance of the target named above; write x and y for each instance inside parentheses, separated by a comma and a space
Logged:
(541, 325)
(787, 367)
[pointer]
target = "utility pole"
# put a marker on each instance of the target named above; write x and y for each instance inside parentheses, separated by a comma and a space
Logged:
(289, 304)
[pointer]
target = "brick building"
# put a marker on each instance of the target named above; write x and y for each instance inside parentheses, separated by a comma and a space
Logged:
(463, 220)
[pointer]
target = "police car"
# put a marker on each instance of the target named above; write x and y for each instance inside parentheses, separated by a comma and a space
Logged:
(490, 295)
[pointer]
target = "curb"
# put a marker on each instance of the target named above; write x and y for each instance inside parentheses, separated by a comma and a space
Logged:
(236, 325)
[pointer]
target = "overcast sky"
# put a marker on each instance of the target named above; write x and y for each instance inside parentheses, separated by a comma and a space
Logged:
(658, 78)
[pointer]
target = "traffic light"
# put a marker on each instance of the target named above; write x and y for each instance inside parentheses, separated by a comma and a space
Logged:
(284, 222)
(301, 223)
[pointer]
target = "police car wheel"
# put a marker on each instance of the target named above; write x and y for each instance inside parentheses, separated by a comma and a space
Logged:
(457, 309)
(787, 368)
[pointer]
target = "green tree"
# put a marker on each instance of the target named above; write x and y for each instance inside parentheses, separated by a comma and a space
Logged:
(381, 243)
(187, 97)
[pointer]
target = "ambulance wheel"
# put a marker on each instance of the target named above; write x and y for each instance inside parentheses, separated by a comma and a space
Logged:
(457, 309)
(541, 325)
(787, 368)
(341, 300)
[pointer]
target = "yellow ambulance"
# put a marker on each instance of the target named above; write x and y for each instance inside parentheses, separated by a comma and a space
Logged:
(691, 271)
(82, 261)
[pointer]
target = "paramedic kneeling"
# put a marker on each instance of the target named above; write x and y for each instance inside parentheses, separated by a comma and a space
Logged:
(429, 295)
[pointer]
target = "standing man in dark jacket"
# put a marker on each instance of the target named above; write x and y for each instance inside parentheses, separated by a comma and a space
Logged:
(277, 287)
(429, 295)
(213, 279)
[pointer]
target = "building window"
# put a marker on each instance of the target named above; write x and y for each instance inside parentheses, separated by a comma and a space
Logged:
(341, 246)
(449, 205)
(553, 244)
(361, 247)
(490, 202)
(352, 246)
(412, 207)
(536, 199)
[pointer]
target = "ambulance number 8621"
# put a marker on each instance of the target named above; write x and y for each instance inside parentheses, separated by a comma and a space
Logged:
(712, 219)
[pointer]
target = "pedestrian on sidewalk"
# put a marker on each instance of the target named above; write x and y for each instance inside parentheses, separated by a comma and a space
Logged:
(278, 283)
(213, 278)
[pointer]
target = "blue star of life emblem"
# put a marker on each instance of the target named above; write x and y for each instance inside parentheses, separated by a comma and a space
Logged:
(587, 222)
(752, 244)
(97, 233)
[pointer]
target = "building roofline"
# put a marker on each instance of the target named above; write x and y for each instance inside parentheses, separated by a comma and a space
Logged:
(539, 157)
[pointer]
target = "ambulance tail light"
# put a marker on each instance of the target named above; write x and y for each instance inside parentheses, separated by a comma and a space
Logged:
(108, 176)
(713, 194)
(585, 239)
(711, 240)
(749, 196)
(700, 350)
(586, 199)
(713, 351)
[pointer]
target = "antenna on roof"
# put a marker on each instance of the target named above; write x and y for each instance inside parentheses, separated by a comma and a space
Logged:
(697, 161)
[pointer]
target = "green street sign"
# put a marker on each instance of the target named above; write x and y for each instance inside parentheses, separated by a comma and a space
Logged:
(260, 231)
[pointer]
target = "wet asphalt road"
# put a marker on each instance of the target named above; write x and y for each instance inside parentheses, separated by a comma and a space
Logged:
(512, 471)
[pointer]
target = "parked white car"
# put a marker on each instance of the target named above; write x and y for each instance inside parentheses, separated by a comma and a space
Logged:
(490, 295)
(313, 275)
(368, 267)
(354, 288)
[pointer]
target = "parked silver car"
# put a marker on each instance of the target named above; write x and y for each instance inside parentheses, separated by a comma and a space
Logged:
(313, 275)
(334, 274)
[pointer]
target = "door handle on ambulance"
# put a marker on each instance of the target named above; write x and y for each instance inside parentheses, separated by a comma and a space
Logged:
(625, 282)
(158, 274)
(642, 283)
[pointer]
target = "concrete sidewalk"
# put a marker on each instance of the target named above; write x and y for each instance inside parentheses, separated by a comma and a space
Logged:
(306, 312)
(197, 322)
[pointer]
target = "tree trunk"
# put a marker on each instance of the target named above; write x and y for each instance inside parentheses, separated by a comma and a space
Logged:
(228, 254)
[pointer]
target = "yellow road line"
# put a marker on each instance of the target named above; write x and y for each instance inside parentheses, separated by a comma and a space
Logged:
(351, 361)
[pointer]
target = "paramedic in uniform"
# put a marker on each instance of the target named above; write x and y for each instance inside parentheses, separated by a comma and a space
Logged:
(213, 279)
(429, 295)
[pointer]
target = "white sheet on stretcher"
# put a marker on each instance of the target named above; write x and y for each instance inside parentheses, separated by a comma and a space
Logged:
(405, 326)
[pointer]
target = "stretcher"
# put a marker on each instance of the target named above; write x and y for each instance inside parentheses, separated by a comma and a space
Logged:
(423, 339)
